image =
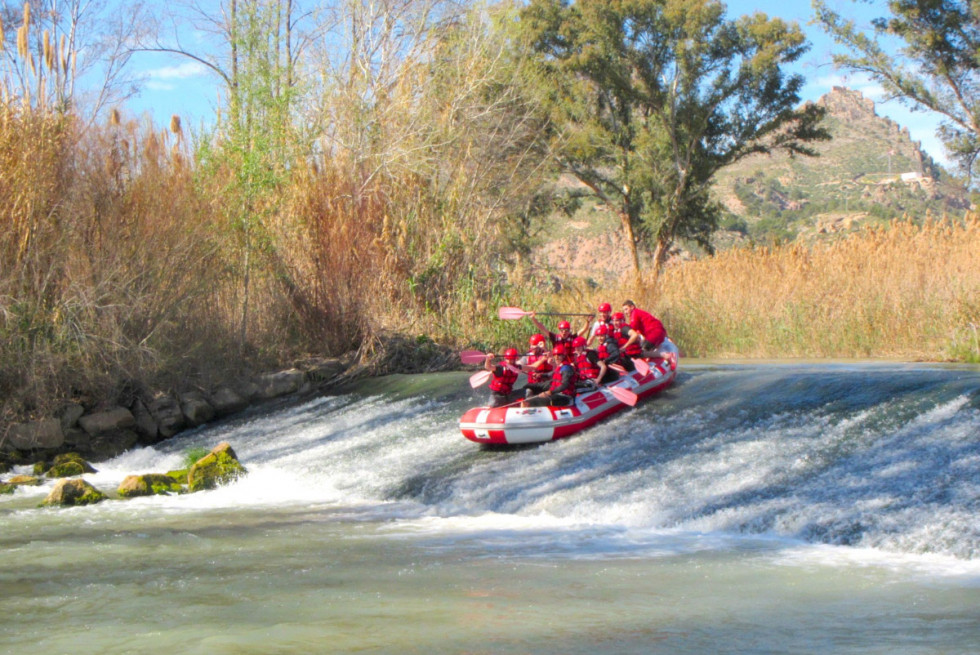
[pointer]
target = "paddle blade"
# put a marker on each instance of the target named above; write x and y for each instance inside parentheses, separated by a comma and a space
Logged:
(624, 396)
(479, 378)
(617, 367)
(641, 366)
(511, 313)
(472, 357)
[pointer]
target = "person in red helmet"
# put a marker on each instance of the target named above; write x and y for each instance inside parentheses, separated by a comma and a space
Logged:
(561, 392)
(593, 364)
(651, 334)
(603, 317)
(563, 338)
(537, 364)
(503, 376)
(622, 333)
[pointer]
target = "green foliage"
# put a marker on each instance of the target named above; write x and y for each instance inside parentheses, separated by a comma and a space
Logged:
(192, 455)
(648, 99)
(938, 70)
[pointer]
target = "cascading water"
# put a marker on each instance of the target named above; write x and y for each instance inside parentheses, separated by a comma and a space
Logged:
(743, 497)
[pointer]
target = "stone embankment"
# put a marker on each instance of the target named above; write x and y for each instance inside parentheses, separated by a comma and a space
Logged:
(104, 432)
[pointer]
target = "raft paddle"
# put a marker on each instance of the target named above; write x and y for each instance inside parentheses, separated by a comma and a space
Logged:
(641, 366)
(472, 357)
(479, 378)
(515, 313)
(624, 396)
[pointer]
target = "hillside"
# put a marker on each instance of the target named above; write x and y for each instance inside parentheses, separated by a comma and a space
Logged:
(870, 170)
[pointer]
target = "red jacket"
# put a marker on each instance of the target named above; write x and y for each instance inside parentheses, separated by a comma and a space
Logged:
(503, 380)
(650, 327)
(539, 374)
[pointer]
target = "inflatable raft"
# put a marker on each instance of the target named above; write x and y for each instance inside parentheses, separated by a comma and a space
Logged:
(526, 425)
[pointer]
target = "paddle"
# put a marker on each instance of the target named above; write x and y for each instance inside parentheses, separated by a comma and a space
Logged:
(479, 378)
(515, 313)
(472, 357)
(624, 396)
(641, 366)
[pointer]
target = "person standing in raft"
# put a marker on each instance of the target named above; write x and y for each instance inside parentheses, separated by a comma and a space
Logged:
(564, 337)
(537, 364)
(503, 377)
(562, 390)
(650, 333)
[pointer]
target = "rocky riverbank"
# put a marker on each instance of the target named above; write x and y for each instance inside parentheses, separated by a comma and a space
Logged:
(106, 429)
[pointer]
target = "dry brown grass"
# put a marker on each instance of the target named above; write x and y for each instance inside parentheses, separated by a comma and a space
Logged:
(905, 291)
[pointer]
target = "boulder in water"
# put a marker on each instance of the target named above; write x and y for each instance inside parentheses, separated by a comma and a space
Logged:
(6, 488)
(148, 485)
(69, 465)
(218, 467)
(25, 481)
(70, 492)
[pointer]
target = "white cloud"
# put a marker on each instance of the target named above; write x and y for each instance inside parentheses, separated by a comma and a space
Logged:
(179, 72)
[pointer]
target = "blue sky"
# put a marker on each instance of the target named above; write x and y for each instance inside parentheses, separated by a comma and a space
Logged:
(182, 87)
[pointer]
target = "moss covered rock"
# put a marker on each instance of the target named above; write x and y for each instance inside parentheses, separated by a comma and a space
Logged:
(6, 488)
(150, 484)
(218, 467)
(72, 492)
(24, 480)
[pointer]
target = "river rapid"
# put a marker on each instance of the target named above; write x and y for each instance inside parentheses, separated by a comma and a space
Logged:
(751, 508)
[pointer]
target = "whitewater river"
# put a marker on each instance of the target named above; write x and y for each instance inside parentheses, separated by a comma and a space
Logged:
(762, 508)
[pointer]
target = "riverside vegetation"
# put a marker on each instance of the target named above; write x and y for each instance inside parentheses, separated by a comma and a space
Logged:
(135, 259)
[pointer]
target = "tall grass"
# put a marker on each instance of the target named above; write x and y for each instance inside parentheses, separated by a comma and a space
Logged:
(906, 291)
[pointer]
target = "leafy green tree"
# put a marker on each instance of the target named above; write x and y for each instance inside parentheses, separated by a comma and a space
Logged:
(941, 66)
(648, 99)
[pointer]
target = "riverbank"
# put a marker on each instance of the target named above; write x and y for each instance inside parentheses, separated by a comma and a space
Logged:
(108, 427)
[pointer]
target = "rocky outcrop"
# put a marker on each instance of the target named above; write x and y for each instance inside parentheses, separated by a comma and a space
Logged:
(149, 484)
(36, 435)
(148, 418)
(218, 467)
(72, 492)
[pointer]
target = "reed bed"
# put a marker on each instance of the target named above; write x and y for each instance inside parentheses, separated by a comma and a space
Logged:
(908, 291)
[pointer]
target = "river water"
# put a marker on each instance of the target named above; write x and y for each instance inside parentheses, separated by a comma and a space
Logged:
(752, 508)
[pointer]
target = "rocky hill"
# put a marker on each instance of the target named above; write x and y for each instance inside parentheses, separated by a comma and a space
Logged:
(870, 171)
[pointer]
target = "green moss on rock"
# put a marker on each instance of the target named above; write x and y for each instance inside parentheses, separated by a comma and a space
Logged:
(151, 484)
(7, 488)
(218, 467)
(71, 492)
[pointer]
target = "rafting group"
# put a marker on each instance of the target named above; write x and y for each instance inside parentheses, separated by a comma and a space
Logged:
(612, 344)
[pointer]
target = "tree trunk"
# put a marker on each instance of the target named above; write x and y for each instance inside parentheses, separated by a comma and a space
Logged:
(631, 244)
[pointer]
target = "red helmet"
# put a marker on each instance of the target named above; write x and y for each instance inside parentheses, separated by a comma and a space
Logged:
(605, 307)
(511, 353)
(602, 330)
(559, 350)
(578, 342)
(536, 339)
(619, 316)
(564, 325)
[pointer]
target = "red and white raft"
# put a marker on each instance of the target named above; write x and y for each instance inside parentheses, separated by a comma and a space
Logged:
(520, 425)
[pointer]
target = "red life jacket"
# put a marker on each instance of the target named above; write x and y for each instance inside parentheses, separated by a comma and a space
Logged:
(603, 351)
(558, 340)
(540, 374)
(504, 383)
(556, 379)
(586, 369)
(634, 349)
